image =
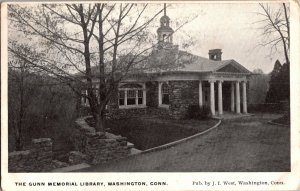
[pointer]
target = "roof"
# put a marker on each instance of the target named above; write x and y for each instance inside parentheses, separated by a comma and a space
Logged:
(174, 60)
(181, 61)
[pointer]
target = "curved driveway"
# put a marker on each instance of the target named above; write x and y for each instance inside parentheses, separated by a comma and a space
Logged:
(237, 145)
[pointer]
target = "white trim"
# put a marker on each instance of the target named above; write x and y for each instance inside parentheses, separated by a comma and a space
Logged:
(220, 98)
(236, 65)
(144, 94)
(136, 105)
(238, 98)
(200, 94)
(132, 106)
(164, 106)
(212, 97)
(181, 140)
(244, 84)
(160, 95)
(125, 97)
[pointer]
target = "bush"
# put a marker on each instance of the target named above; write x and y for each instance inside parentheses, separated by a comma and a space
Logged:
(197, 112)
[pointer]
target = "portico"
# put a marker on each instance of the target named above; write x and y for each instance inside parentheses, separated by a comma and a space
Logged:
(216, 89)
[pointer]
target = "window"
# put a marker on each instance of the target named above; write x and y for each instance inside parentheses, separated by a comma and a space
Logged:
(122, 97)
(165, 94)
(140, 97)
(131, 95)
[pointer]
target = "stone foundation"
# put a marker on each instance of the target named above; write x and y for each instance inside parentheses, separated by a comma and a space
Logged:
(37, 159)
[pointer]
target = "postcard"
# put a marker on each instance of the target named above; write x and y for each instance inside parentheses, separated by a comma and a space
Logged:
(150, 95)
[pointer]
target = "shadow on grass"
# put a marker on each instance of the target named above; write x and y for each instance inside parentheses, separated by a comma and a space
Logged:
(149, 132)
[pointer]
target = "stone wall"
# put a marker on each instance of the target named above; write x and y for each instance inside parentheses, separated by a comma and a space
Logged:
(97, 147)
(182, 94)
(37, 159)
(152, 94)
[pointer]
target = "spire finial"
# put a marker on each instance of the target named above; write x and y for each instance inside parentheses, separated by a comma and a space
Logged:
(165, 9)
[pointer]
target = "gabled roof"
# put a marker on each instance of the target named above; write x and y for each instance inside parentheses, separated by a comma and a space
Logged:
(186, 62)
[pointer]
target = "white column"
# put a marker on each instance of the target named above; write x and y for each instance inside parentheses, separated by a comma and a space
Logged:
(82, 100)
(200, 94)
(144, 94)
(136, 97)
(125, 97)
(87, 103)
(159, 93)
(212, 97)
(232, 97)
(220, 98)
(244, 96)
(237, 91)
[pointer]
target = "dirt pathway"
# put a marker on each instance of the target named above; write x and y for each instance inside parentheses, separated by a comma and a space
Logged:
(237, 145)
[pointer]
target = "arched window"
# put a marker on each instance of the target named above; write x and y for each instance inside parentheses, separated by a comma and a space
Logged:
(132, 95)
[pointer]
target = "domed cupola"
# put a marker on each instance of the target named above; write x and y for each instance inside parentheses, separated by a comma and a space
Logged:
(165, 32)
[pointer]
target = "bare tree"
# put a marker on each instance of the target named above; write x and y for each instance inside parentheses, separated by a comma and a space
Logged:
(110, 39)
(20, 90)
(276, 28)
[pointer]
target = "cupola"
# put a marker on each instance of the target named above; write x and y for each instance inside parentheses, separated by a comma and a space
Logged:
(165, 32)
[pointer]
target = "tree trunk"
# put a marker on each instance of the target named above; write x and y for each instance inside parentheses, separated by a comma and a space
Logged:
(99, 122)
(19, 141)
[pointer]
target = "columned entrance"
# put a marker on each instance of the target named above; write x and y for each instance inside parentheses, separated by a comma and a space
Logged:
(212, 97)
(244, 83)
(224, 96)
(220, 98)
(237, 97)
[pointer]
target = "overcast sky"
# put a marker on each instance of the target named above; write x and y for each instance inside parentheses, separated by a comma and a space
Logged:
(228, 26)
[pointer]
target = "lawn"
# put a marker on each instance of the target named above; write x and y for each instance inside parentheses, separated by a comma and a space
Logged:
(248, 144)
(149, 132)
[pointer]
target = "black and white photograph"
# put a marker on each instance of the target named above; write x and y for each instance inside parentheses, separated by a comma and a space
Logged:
(105, 87)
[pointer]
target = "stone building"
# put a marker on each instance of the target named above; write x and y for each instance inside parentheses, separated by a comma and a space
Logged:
(182, 79)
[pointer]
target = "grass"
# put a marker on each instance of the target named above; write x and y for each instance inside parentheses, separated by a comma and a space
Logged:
(248, 144)
(149, 132)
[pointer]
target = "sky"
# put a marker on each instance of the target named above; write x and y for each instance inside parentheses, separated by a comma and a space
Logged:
(228, 26)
